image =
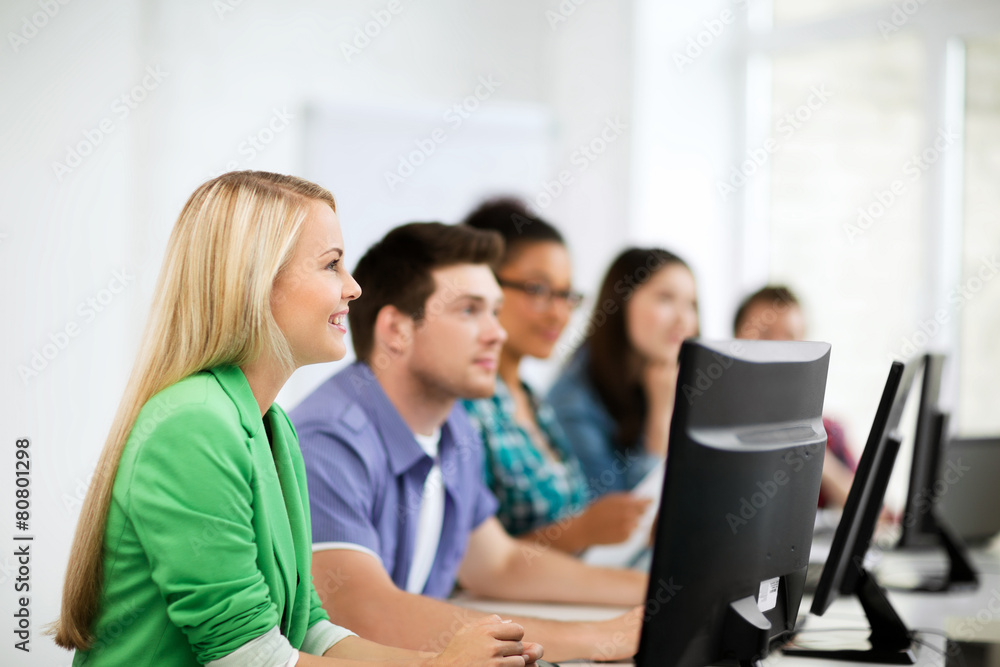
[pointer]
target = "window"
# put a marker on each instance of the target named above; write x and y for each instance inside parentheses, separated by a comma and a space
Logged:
(846, 227)
(977, 295)
(793, 11)
(879, 198)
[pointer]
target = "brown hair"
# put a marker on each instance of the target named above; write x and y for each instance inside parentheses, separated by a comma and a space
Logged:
(772, 295)
(396, 271)
(613, 364)
(515, 223)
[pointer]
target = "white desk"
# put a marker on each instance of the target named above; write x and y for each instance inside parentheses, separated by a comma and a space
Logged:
(963, 615)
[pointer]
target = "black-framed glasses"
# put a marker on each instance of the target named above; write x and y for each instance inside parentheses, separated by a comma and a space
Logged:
(542, 296)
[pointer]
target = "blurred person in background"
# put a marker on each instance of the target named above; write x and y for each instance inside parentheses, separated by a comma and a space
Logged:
(530, 466)
(775, 313)
(615, 397)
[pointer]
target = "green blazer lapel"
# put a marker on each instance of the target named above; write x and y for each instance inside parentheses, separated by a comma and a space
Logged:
(278, 564)
(296, 556)
(281, 565)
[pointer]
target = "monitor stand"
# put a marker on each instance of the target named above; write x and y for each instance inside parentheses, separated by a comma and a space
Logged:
(891, 641)
(746, 632)
(961, 573)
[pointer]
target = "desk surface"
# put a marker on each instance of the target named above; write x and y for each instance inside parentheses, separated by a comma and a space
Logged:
(971, 615)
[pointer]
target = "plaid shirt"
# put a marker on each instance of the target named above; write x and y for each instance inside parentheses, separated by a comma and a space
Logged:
(533, 490)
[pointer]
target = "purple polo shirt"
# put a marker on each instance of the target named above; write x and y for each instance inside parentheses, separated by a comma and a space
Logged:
(365, 472)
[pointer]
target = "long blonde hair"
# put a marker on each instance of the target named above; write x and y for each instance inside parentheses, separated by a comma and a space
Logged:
(212, 306)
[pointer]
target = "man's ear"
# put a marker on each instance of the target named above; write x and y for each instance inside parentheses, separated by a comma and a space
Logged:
(393, 330)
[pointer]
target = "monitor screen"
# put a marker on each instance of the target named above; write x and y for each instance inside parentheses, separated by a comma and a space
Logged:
(918, 527)
(923, 523)
(738, 506)
(844, 572)
(850, 542)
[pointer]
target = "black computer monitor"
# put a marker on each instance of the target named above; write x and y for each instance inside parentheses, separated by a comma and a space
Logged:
(922, 522)
(918, 526)
(739, 502)
(844, 572)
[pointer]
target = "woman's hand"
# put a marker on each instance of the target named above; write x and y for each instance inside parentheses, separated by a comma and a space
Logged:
(489, 642)
(659, 380)
(611, 518)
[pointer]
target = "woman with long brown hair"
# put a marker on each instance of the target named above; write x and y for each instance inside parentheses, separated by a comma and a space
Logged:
(616, 395)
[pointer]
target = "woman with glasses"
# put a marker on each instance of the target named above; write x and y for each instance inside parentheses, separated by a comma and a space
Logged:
(530, 464)
(615, 397)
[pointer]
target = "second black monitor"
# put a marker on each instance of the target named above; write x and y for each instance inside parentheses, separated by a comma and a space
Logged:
(739, 502)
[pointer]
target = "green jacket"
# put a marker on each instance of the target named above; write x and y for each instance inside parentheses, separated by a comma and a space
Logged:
(208, 541)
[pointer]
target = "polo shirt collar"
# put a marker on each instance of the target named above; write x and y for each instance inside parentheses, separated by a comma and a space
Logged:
(235, 384)
(402, 449)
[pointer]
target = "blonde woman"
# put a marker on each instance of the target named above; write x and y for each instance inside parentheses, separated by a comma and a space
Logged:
(193, 546)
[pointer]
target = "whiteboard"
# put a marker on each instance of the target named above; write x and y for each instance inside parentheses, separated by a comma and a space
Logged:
(390, 165)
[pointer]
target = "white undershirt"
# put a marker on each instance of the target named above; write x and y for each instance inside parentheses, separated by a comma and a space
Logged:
(431, 517)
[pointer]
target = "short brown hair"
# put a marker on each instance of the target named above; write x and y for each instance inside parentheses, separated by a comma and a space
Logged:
(772, 295)
(396, 271)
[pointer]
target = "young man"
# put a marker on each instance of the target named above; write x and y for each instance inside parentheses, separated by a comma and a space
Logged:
(399, 507)
(774, 313)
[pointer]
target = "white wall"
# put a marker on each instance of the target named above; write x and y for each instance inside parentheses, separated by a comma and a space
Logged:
(221, 78)
(687, 131)
(64, 241)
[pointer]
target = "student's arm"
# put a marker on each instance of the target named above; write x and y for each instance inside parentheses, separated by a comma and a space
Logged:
(608, 520)
(659, 380)
(496, 565)
(362, 597)
(836, 481)
(489, 642)
(838, 465)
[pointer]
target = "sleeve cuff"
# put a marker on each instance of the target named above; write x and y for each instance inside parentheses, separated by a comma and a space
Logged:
(321, 636)
(271, 649)
(349, 546)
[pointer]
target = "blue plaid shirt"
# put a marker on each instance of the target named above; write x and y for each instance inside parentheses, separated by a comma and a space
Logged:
(533, 490)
